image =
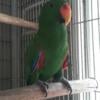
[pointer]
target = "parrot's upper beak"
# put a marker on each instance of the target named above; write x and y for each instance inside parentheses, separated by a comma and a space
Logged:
(65, 12)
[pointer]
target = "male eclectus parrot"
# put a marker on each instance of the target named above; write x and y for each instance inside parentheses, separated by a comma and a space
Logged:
(47, 51)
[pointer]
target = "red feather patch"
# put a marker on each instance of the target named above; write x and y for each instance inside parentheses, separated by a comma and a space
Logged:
(41, 60)
(65, 63)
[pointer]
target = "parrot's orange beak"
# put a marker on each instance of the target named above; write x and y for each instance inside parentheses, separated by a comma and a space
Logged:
(65, 12)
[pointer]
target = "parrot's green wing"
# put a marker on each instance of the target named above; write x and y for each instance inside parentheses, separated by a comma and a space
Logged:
(31, 55)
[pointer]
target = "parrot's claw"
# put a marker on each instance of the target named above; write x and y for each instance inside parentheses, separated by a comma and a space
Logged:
(46, 84)
(66, 83)
(43, 86)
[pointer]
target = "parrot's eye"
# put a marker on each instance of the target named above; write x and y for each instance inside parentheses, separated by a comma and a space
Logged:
(51, 5)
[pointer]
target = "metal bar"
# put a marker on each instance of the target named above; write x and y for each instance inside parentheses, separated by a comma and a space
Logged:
(17, 21)
(89, 20)
(34, 5)
(55, 89)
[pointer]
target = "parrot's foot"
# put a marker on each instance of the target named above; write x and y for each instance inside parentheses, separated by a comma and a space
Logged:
(66, 83)
(43, 86)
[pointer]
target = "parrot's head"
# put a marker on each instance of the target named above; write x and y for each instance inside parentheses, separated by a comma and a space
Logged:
(65, 12)
(55, 11)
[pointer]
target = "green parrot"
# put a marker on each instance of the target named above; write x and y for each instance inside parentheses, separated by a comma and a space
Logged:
(45, 56)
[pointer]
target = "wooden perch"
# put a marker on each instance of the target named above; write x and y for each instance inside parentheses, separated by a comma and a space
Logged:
(17, 21)
(55, 89)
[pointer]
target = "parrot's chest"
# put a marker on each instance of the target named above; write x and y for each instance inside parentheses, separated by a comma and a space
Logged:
(55, 48)
(53, 62)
